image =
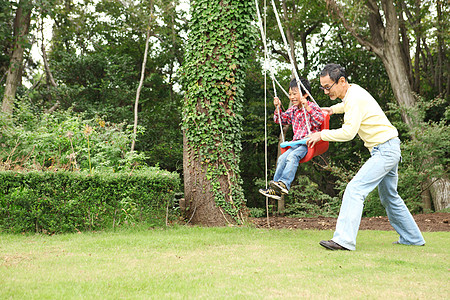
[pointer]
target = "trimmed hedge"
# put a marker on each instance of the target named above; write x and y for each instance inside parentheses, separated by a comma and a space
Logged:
(56, 202)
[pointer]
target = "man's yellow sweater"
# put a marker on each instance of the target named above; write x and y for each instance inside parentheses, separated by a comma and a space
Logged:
(362, 116)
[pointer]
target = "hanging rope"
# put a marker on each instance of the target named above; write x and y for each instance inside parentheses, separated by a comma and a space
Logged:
(291, 59)
(288, 50)
(278, 110)
(300, 86)
(263, 32)
(280, 86)
(263, 36)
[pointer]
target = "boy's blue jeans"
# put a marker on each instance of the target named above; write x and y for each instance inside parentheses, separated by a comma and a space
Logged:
(379, 170)
(287, 164)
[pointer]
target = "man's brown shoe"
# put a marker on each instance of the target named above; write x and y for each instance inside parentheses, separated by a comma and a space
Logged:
(331, 245)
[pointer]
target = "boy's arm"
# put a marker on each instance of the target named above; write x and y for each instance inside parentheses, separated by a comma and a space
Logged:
(285, 117)
(316, 114)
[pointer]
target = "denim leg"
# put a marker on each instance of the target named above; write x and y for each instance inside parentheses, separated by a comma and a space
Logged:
(281, 164)
(384, 158)
(288, 163)
(398, 213)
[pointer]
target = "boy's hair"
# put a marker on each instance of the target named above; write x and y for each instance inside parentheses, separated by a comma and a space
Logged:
(335, 72)
(305, 83)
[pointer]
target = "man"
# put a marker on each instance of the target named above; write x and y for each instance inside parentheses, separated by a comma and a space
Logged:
(363, 116)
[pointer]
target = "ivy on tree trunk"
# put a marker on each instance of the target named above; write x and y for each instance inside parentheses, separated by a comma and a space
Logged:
(219, 44)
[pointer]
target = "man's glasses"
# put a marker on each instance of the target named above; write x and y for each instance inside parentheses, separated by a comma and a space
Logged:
(327, 88)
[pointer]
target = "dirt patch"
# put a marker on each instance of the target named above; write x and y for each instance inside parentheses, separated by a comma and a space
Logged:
(426, 222)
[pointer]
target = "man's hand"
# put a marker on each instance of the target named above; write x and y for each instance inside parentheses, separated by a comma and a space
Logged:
(327, 110)
(313, 139)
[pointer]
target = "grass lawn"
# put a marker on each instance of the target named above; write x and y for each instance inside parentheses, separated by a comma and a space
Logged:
(221, 263)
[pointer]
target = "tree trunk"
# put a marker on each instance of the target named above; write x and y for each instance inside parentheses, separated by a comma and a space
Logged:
(440, 192)
(219, 45)
(426, 198)
(50, 79)
(141, 81)
(418, 33)
(441, 61)
(289, 36)
(14, 74)
(398, 76)
(198, 195)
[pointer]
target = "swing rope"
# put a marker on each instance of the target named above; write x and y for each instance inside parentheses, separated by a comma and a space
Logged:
(280, 86)
(265, 109)
(288, 50)
(263, 29)
(320, 147)
(291, 59)
(263, 35)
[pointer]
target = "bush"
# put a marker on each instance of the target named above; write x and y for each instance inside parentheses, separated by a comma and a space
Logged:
(55, 202)
(256, 212)
(63, 140)
(425, 157)
(306, 200)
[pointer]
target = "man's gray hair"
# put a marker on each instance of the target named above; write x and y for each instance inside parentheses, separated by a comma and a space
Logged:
(335, 72)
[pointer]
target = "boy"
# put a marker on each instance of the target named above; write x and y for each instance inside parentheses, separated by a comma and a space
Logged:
(287, 163)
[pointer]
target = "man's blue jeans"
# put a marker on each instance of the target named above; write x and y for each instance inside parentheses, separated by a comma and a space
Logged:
(379, 170)
(287, 164)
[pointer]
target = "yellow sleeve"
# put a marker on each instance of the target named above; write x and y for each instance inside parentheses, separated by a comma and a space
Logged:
(338, 108)
(350, 127)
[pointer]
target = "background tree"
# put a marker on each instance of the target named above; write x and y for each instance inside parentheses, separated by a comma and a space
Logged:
(141, 81)
(219, 44)
(6, 38)
(14, 73)
(96, 57)
(376, 26)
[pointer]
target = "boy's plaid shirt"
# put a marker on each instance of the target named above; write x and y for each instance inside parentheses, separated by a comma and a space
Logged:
(296, 117)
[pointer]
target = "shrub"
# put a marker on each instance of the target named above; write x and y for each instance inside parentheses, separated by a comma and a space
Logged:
(306, 200)
(425, 157)
(65, 141)
(55, 202)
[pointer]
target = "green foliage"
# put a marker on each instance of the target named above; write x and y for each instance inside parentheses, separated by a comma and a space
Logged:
(256, 212)
(95, 83)
(6, 37)
(373, 206)
(55, 202)
(426, 156)
(65, 140)
(96, 57)
(306, 200)
(219, 45)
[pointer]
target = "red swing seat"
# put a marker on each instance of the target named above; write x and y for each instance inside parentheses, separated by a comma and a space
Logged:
(320, 147)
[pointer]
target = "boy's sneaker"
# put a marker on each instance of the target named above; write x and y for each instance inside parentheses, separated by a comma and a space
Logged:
(279, 186)
(270, 193)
